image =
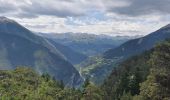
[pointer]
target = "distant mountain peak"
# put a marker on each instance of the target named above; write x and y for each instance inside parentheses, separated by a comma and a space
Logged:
(165, 27)
(6, 20)
(10, 26)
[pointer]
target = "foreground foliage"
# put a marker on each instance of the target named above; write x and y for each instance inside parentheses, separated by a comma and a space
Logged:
(25, 84)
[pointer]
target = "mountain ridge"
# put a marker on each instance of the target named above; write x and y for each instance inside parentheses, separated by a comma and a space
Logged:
(140, 44)
(17, 29)
(21, 47)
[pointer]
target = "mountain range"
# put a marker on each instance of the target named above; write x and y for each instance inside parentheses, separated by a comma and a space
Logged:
(88, 44)
(21, 47)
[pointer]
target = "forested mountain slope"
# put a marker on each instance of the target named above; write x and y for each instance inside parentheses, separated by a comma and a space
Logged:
(143, 77)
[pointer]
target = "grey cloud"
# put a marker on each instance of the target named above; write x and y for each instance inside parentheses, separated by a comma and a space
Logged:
(56, 8)
(6, 7)
(35, 26)
(25, 15)
(50, 12)
(143, 7)
(5, 10)
(37, 8)
(74, 8)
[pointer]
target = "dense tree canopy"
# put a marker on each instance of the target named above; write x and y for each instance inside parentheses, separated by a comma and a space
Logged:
(25, 84)
(143, 77)
(157, 85)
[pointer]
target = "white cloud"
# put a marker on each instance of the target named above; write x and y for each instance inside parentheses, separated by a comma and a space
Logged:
(113, 17)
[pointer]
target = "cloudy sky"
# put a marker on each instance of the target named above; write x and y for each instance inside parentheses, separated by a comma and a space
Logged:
(112, 17)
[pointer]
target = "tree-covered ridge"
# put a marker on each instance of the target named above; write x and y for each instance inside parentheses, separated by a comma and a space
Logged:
(143, 77)
(127, 76)
(25, 84)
